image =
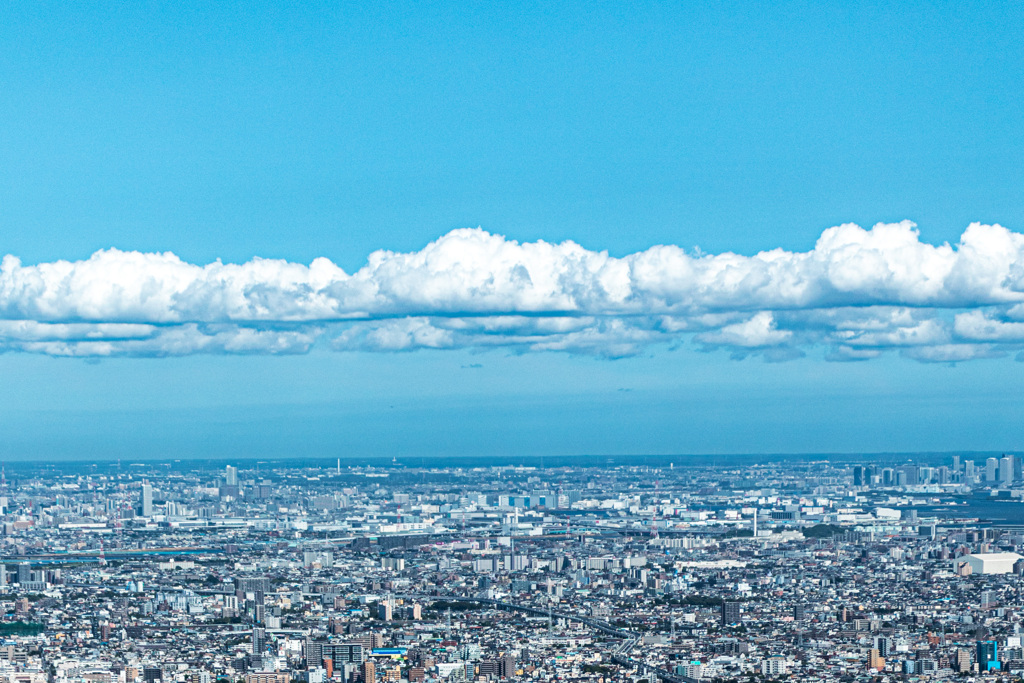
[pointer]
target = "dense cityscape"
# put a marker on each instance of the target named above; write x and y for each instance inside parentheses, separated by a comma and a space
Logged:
(804, 571)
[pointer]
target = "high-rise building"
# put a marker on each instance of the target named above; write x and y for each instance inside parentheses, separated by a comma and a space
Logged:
(963, 660)
(146, 500)
(508, 667)
(24, 572)
(859, 475)
(1006, 469)
(369, 672)
(987, 653)
(259, 640)
(731, 613)
(875, 660)
(231, 475)
(991, 470)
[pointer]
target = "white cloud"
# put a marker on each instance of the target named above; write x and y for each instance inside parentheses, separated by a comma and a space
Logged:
(759, 331)
(857, 293)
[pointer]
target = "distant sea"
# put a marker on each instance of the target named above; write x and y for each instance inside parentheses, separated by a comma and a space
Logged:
(995, 513)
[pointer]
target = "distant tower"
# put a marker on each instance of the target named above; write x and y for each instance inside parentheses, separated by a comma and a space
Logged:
(146, 501)
(654, 511)
(755, 522)
(339, 466)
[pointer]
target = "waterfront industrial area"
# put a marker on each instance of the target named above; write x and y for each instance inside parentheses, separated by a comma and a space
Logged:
(803, 570)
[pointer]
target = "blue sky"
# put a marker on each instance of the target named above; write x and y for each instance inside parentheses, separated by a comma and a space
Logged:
(335, 130)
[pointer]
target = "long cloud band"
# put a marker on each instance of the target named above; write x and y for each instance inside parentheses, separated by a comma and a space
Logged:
(855, 295)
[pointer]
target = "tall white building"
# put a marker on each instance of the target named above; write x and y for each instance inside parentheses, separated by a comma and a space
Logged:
(991, 467)
(1006, 469)
(231, 475)
(146, 501)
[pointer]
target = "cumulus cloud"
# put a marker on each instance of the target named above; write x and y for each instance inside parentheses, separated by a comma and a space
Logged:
(857, 294)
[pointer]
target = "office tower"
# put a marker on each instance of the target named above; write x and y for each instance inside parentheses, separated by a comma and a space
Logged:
(956, 464)
(231, 476)
(730, 613)
(24, 572)
(859, 473)
(1006, 470)
(3, 575)
(987, 656)
(991, 469)
(969, 471)
(146, 500)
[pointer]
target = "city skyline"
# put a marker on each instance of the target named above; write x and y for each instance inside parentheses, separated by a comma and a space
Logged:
(580, 342)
